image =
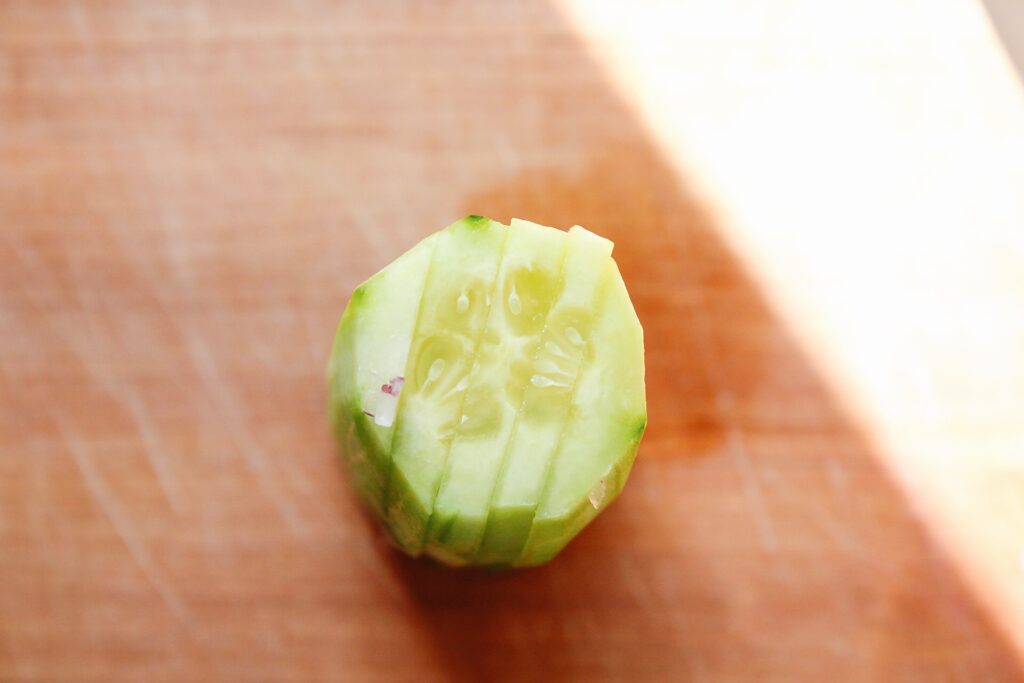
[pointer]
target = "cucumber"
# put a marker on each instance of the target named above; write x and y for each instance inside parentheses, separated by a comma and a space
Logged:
(548, 398)
(370, 350)
(529, 281)
(432, 408)
(487, 391)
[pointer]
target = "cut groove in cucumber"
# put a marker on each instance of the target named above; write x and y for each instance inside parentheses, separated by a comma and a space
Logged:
(529, 279)
(548, 401)
(455, 303)
(600, 442)
(483, 417)
(371, 347)
(487, 391)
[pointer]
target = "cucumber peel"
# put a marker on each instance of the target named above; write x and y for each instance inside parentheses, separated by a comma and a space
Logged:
(487, 391)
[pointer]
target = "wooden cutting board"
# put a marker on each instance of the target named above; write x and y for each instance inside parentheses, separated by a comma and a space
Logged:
(189, 192)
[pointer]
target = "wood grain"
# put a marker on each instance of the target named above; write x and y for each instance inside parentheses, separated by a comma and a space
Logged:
(188, 193)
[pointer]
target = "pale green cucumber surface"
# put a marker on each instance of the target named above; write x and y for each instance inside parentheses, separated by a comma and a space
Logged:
(452, 318)
(600, 442)
(523, 397)
(566, 348)
(528, 280)
(370, 348)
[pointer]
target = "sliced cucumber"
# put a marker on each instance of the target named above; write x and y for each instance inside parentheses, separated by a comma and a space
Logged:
(370, 350)
(453, 313)
(603, 433)
(565, 343)
(529, 281)
(520, 401)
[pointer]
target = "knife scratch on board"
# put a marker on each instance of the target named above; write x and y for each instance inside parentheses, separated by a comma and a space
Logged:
(127, 397)
(120, 522)
(124, 394)
(224, 403)
(252, 453)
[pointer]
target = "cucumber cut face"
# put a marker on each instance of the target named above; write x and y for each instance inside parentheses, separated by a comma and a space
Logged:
(529, 281)
(370, 351)
(565, 348)
(600, 441)
(432, 407)
(487, 391)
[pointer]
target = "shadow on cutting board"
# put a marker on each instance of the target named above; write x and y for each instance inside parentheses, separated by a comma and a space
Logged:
(758, 538)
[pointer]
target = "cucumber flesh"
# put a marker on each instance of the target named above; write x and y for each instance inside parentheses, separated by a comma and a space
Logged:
(487, 391)
(548, 399)
(599, 445)
(528, 283)
(370, 349)
(452, 315)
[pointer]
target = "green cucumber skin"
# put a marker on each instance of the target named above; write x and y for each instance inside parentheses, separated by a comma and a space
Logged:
(505, 536)
(517, 538)
(360, 451)
(365, 447)
(606, 434)
(548, 535)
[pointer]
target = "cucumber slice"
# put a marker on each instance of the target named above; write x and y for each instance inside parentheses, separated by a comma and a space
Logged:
(529, 281)
(370, 350)
(432, 406)
(600, 441)
(548, 399)
(519, 405)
